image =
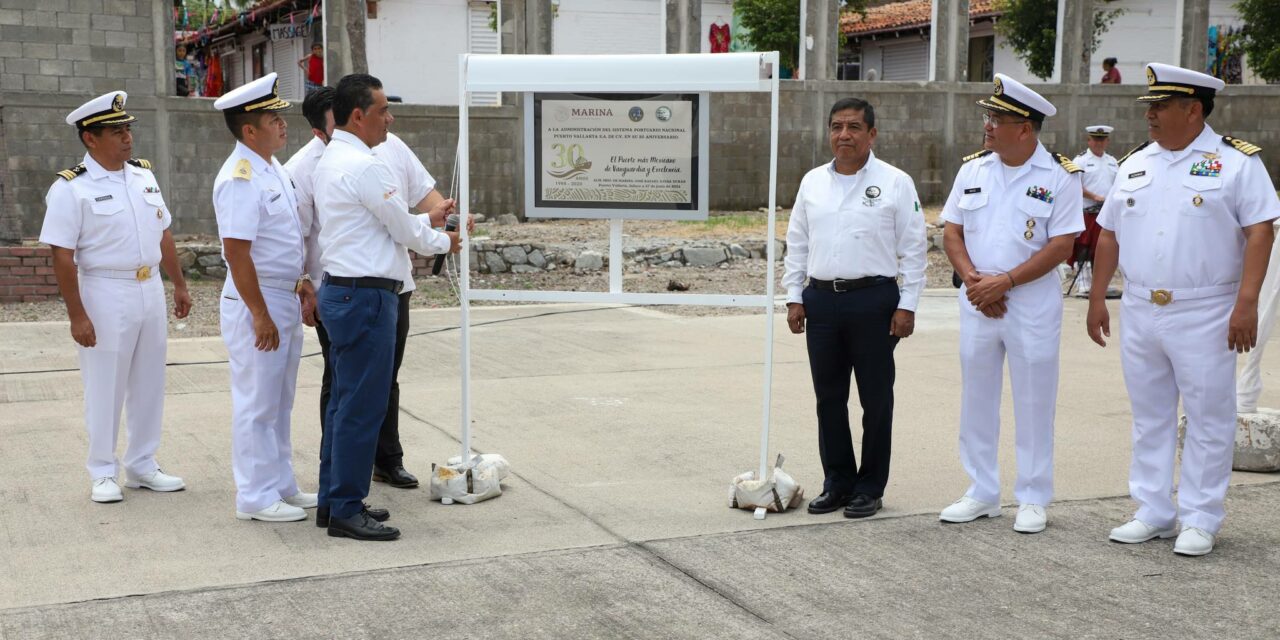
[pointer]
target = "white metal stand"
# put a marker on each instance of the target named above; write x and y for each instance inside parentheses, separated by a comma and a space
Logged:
(732, 72)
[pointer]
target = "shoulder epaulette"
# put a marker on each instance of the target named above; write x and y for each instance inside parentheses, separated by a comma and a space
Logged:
(1067, 163)
(243, 170)
(1133, 151)
(1247, 148)
(70, 174)
(139, 162)
(975, 156)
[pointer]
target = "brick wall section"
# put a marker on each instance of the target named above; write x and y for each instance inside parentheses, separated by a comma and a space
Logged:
(26, 274)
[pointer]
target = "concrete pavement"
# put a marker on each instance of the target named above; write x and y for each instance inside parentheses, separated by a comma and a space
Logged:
(623, 427)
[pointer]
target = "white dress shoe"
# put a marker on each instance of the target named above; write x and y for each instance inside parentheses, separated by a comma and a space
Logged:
(106, 490)
(156, 481)
(1193, 542)
(303, 500)
(1135, 531)
(278, 512)
(1031, 519)
(967, 509)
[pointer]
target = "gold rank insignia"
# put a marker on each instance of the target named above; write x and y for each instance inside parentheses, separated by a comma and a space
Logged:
(244, 170)
(1197, 201)
(1211, 156)
(1029, 234)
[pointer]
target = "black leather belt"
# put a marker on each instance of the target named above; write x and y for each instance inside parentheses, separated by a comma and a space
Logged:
(841, 286)
(394, 286)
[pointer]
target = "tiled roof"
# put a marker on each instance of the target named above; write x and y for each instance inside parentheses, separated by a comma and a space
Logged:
(902, 15)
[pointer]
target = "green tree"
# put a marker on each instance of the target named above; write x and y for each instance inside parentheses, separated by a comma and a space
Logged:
(774, 25)
(1030, 28)
(1262, 36)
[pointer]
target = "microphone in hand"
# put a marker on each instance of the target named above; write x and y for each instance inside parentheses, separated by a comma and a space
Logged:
(451, 224)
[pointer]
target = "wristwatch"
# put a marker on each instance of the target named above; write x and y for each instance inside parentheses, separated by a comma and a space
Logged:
(297, 288)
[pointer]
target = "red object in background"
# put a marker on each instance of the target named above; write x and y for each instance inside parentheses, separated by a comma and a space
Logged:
(315, 70)
(719, 38)
(1112, 76)
(213, 77)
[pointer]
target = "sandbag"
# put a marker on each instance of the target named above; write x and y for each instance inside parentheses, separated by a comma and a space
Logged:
(477, 481)
(776, 494)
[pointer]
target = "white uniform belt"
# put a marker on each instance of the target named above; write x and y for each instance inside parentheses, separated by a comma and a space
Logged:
(141, 274)
(276, 283)
(1166, 296)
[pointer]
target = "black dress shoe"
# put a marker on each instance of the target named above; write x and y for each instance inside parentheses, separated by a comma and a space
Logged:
(361, 527)
(828, 502)
(862, 506)
(322, 515)
(395, 476)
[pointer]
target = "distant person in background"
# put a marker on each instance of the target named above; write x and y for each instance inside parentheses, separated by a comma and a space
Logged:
(181, 71)
(313, 67)
(1112, 74)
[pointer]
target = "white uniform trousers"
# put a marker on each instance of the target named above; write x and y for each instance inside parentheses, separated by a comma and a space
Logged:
(124, 369)
(262, 389)
(1177, 349)
(1029, 335)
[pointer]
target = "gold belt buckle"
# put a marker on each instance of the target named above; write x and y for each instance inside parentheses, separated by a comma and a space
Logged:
(143, 274)
(1161, 296)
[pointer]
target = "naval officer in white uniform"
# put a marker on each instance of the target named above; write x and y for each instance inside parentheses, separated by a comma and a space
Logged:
(108, 225)
(1189, 223)
(262, 302)
(1100, 170)
(1012, 217)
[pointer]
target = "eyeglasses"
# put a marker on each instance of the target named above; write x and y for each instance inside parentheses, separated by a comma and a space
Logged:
(988, 119)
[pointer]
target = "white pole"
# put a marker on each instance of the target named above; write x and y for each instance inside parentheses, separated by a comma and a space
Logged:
(800, 74)
(662, 26)
(615, 255)
(464, 260)
(770, 243)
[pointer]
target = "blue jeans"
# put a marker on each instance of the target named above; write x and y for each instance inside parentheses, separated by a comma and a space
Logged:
(362, 334)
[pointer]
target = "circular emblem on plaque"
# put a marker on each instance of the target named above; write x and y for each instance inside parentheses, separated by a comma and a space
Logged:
(873, 192)
(636, 114)
(662, 113)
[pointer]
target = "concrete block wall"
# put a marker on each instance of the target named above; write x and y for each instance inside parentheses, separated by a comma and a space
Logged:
(924, 129)
(77, 46)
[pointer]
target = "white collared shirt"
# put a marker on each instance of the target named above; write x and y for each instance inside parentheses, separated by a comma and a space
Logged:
(261, 209)
(365, 223)
(1099, 172)
(1006, 221)
(872, 228)
(113, 220)
(412, 177)
(1178, 215)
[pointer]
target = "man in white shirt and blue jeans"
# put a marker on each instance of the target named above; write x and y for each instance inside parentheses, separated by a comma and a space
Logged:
(857, 233)
(364, 229)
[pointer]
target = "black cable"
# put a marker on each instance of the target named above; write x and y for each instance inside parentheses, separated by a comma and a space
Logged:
(316, 353)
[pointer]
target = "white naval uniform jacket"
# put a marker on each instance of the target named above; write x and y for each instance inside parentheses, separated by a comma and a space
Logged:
(1178, 215)
(254, 200)
(1099, 172)
(109, 223)
(1006, 224)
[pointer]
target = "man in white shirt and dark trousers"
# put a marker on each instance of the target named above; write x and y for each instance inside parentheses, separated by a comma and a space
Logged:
(855, 229)
(418, 185)
(1012, 217)
(1189, 223)
(364, 229)
(262, 302)
(108, 227)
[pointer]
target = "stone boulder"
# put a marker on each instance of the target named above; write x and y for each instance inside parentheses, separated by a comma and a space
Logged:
(589, 261)
(1257, 446)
